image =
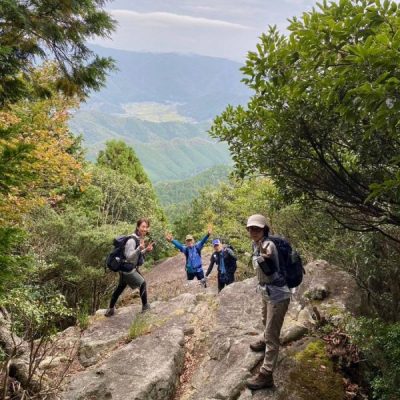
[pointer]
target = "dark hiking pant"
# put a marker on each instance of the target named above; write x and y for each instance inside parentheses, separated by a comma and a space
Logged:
(225, 281)
(132, 279)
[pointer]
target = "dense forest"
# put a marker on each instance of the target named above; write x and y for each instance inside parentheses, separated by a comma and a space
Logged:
(316, 150)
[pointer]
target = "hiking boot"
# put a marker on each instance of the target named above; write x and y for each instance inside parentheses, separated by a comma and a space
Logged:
(258, 346)
(145, 308)
(110, 312)
(262, 380)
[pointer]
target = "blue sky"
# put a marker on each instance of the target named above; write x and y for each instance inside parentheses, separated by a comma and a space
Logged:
(219, 28)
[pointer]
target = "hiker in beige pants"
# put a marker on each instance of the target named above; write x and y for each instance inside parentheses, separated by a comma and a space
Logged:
(275, 298)
(272, 317)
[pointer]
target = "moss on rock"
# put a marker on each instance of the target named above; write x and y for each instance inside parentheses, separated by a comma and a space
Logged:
(313, 376)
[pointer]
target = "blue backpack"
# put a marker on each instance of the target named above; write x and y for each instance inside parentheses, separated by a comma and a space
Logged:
(290, 261)
(116, 261)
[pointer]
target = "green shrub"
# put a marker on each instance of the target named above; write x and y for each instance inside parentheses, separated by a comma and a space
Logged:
(82, 318)
(380, 345)
(140, 326)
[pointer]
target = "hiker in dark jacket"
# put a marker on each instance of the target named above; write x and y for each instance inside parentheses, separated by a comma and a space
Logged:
(192, 252)
(135, 250)
(225, 259)
(275, 297)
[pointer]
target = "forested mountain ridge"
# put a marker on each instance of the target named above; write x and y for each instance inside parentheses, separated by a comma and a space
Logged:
(162, 105)
(201, 86)
(173, 192)
(168, 151)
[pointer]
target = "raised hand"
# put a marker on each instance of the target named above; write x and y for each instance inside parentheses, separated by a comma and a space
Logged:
(169, 236)
(142, 246)
(149, 247)
(209, 229)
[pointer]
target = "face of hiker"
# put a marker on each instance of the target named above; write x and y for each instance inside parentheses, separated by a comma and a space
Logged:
(143, 229)
(256, 233)
(189, 243)
(218, 247)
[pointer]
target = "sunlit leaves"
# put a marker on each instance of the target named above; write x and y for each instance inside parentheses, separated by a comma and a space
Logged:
(324, 118)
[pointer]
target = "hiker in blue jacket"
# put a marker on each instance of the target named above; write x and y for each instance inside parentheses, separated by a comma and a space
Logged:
(225, 259)
(192, 252)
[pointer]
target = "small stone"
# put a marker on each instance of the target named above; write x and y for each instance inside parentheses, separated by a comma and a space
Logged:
(188, 330)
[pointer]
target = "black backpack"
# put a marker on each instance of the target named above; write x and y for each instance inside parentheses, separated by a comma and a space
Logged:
(290, 261)
(116, 261)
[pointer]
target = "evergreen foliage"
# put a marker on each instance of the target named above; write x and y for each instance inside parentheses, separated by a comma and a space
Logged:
(74, 240)
(121, 158)
(51, 29)
(380, 344)
(323, 120)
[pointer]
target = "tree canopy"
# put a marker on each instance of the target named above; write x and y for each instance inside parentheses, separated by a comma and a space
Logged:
(122, 158)
(51, 29)
(324, 117)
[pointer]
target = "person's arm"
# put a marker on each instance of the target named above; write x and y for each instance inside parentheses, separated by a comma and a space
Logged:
(131, 252)
(202, 242)
(211, 266)
(178, 245)
(175, 242)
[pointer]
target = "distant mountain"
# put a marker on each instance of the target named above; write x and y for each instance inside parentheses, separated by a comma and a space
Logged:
(175, 196)
(201, 86)
(162, 105)
(168, 151)
(174, 192)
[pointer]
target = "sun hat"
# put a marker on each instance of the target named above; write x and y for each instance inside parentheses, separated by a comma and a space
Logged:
(257, 220)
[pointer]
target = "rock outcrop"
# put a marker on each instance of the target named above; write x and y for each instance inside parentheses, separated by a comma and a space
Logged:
(196, 347)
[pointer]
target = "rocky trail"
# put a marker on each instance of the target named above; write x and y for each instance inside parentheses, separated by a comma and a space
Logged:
(194, 343)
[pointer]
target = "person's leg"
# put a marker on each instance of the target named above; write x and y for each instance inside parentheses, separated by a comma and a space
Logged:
(143, 296)
(275, 316)
(190, 275)
(221, 285)
(230, 279)
(200, 277)
(135, 280)
(114, 297)
(259, 345)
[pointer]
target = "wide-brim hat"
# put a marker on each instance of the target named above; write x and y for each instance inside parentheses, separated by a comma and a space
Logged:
(189, 237)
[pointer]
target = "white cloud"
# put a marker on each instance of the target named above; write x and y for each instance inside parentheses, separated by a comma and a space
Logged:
(218, 28)
(159, 19)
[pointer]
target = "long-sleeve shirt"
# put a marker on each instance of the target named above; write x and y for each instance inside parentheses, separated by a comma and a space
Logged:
(132, 251)
(271, 285)
(192, 253)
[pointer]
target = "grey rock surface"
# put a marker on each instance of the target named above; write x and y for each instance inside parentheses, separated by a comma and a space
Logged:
(146, 368)
(156, 364)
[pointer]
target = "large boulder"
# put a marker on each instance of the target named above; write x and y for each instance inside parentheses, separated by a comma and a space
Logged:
(214, 360)
(229, 360)
(146, 368)
(303, 365)
(331, 290)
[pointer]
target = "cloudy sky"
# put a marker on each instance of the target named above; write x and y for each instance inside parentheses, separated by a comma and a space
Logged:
(219, 28)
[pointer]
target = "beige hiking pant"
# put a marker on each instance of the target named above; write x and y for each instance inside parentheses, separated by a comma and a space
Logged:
(272, 316)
